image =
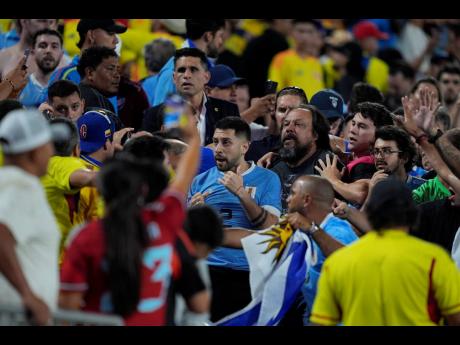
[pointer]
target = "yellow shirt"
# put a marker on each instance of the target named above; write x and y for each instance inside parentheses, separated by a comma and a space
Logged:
(377, 74)
(289, 69)
(1, 157)
(63, 200)
(91, 204)
(388, 279)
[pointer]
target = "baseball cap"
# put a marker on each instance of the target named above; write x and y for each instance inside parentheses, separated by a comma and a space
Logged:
(367, 29)
(23, 130)
(108, 25)
(329, 102)
(222, 76)
(95, 128)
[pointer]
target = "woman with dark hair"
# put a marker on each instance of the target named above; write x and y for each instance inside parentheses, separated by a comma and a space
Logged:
(124, 264)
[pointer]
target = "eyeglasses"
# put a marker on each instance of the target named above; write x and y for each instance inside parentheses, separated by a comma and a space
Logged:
(386, 151)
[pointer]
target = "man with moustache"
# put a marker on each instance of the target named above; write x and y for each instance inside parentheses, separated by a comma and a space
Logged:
(394, 154)
(47, 52)
(246, 196)
(304, 141)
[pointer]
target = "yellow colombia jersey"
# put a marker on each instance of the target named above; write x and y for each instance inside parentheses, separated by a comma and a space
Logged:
(390, 278)
(63, 200)
(377, 74)
(289, 69)
(1, 157)
(91, 204)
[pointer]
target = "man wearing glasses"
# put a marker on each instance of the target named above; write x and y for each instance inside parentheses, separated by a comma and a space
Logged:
(394, 154)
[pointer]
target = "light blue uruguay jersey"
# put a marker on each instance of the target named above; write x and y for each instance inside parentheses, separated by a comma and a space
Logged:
(33, 93)
(342, 231)
(264, 187)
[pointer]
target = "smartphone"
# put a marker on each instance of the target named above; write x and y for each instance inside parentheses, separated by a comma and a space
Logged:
(270, 87)
(174, 115)
(26, 55)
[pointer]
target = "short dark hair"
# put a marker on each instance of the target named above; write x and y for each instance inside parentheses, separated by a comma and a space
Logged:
(390, 206)
(196, 28)
(204, 225)
(63, 146)
(157, 53)
(192, 52)
(46, 32)
(403, 142)
(449, 69)
(294, 91)
(427, 80)
(147, 147)
(402, 67)
(8, 105)
(442, 117)
(320, 126)
(236, 123)
(63, 88)
(377, 113)
(93, 57)
(363, 92)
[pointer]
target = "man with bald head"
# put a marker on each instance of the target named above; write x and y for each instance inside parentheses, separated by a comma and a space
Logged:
(310, 210)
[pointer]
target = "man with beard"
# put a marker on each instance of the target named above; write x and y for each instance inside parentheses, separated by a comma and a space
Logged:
(449, 83)
(27, 29)
(304, 141)
(394, 154)
(47, 52)
(246, 196)
(206, 35)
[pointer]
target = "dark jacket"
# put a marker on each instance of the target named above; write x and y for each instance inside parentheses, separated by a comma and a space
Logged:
(216, 109)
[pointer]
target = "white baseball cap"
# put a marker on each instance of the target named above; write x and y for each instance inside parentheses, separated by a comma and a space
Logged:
(23, 130)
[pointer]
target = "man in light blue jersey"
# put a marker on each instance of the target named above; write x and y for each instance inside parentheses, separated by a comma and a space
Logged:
(246, 196)
(47, 52)
(204, 34)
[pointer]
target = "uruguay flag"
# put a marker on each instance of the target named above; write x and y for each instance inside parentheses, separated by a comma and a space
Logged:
(278, 269)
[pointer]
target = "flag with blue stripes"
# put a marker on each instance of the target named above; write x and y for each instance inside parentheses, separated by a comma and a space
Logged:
(278, 268)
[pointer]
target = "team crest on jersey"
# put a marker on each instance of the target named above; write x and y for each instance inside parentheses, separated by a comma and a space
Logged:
(251, 191)
(83, 131)
(334, 101)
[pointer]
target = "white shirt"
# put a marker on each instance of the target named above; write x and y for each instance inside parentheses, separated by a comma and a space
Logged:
(24, 210)
(201, 125)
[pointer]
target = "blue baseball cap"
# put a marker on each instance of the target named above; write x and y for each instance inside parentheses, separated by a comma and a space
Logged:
(95, 128)
(222, 76)
(329, 102)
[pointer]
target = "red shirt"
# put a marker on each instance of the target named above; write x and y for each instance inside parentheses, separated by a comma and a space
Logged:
(84, 268)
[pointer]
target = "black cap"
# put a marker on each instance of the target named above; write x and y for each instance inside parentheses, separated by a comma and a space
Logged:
(108, 25)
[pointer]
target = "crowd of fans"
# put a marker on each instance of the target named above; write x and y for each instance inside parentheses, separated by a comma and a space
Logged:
(117, 198)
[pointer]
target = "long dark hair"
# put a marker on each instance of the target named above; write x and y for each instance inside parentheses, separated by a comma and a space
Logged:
(126, 184)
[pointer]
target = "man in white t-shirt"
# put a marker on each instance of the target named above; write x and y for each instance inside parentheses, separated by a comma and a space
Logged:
(29, 236)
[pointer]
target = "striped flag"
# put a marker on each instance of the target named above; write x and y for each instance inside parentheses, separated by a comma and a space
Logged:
(278, 269)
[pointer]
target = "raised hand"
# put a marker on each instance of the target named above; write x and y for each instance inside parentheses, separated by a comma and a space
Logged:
(340, 209)
(329, 169)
